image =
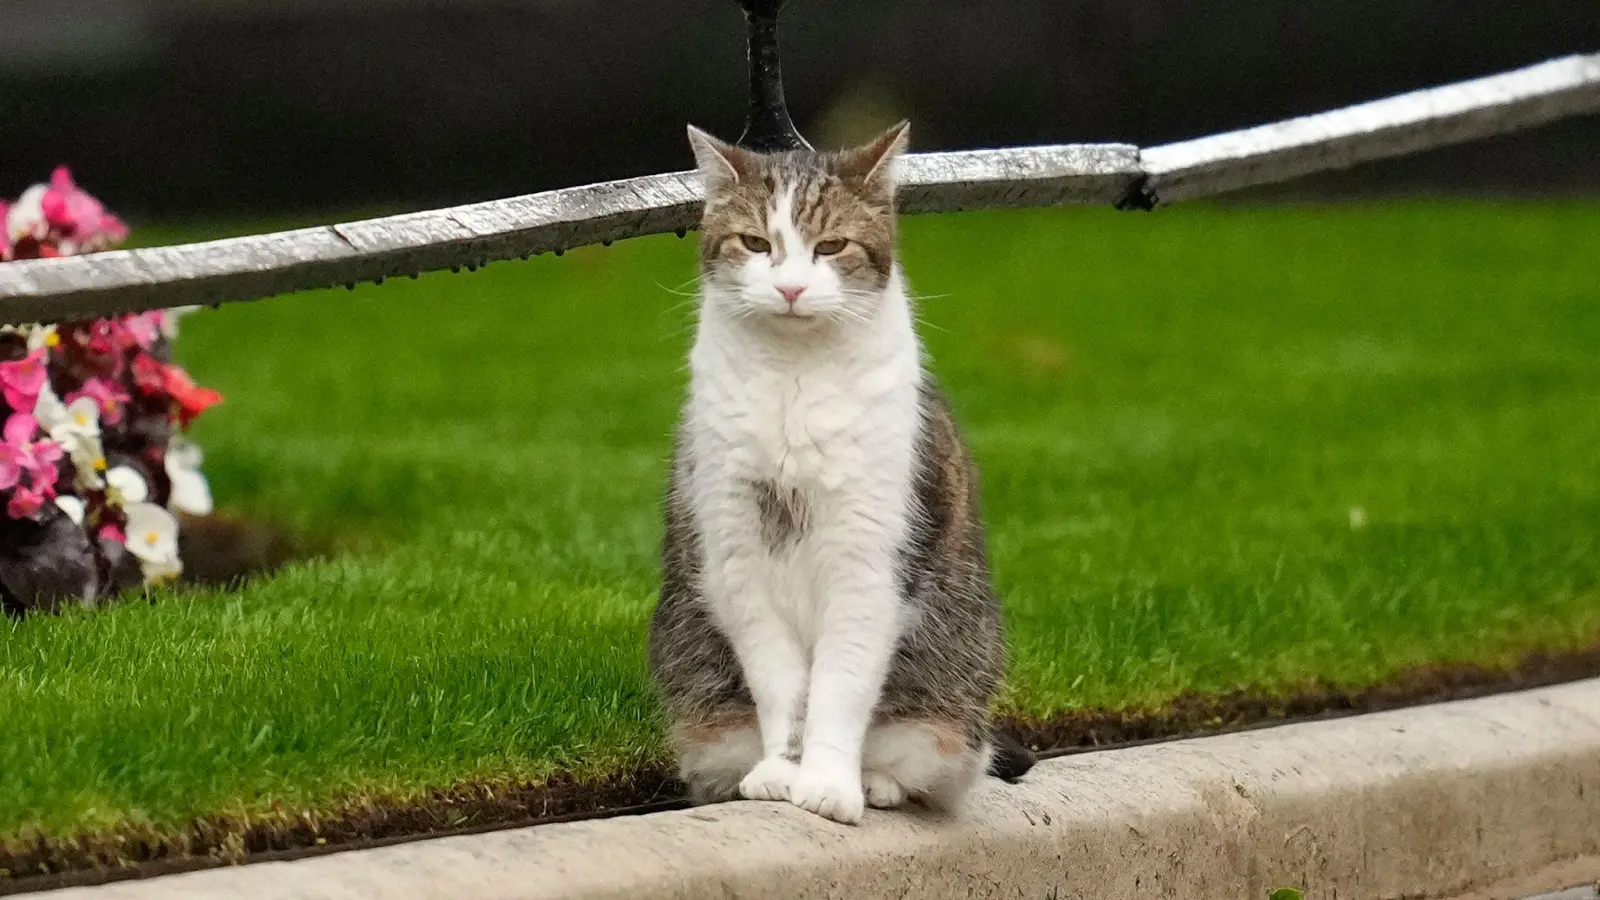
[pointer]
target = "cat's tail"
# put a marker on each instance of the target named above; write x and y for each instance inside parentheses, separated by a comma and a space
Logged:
(1010, 760)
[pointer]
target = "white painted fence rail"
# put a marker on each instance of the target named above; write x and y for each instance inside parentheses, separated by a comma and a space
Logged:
(250, 268)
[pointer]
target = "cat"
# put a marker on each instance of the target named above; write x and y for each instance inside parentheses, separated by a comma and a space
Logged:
(826, 632)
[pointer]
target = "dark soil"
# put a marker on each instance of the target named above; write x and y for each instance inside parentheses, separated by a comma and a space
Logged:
(222, 550)
(1194, 715)
(216, 841)
(42, 570)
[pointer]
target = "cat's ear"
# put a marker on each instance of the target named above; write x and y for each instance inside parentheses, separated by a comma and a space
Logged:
(720, 163)
(872, 164)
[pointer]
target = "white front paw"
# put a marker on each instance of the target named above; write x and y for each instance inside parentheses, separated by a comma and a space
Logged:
(833, 792)
(771, 779)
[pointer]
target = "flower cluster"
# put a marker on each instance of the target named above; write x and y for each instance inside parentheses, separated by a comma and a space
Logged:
(93, 464)
(57, 219)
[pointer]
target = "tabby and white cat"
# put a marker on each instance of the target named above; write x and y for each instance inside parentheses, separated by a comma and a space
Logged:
(826, 633)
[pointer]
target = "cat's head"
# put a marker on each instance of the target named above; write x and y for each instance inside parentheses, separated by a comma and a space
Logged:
(797, 238)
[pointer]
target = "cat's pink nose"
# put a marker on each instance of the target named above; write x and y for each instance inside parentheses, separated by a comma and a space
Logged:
(791, 294)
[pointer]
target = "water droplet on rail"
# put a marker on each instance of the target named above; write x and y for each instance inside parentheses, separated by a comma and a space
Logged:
(680, 232)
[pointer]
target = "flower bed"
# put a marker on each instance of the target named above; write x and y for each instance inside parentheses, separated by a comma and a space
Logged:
(94, 468)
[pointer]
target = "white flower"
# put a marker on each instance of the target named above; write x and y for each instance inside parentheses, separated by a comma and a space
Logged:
(126, 486)
(169, 321)
(190, 492)
(41, 336)
(36, 335)
(76, 427)
(88, 462)
(153, 538)
(26, 218)
(72, 506)
(79, 419)
(162, 572)
(48, 410)
(152, 532)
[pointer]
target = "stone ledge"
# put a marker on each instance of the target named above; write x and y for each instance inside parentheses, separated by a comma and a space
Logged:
(1429, 802)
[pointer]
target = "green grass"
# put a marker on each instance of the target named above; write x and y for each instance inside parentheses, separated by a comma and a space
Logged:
(1175, 415)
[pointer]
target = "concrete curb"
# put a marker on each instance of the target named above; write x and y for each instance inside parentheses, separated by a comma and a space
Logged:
(1429, 802)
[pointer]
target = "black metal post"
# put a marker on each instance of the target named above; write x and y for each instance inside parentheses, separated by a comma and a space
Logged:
(767, 127)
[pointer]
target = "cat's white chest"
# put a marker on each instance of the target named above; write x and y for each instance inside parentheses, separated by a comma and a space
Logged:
(811, 431)
(834, 443)
(802, 468)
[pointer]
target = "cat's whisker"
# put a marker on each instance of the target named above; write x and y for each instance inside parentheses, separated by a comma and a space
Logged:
(679, 290)
(677, 316)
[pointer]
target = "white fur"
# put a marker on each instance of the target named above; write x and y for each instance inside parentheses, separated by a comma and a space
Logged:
(902, 760)
(828, 406)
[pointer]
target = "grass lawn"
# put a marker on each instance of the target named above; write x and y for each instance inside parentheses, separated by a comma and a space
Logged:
(1221, 447)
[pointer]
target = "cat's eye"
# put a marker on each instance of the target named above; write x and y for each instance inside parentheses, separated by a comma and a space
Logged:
(831, 247)
(755, 244)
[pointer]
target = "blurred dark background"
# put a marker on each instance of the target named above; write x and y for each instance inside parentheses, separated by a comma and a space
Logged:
(183, 108)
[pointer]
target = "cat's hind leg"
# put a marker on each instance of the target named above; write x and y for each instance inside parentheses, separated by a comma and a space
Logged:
(715, 756)
(931, 761)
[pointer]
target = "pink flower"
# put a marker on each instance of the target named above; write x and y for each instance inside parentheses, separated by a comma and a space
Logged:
(43, 457)
(15, 458)
(5, 233)
(110, 336)
(149, 374)
(19, 456)
(10, 468)
(36, 459)
(26, 502)
(76, 215)
(112, 532)
(99, 345)
(108, 395)
(22, 379)
(145, 328)
(20, 428)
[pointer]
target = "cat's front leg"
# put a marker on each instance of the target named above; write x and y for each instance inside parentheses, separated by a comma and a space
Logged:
(860, 620)
(774, 668)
